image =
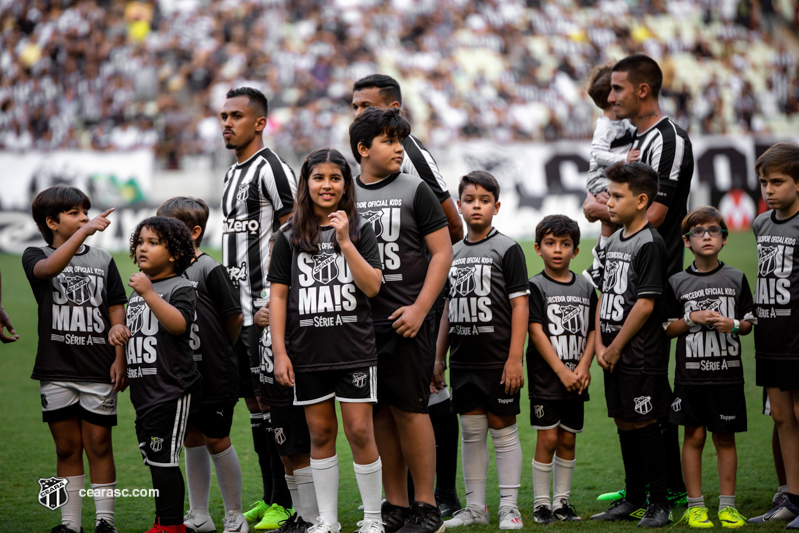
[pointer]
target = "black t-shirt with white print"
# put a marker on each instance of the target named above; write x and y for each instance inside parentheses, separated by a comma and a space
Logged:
(635, 268)
(484, 277)
(566, 311)
(777, 289)
(705, 356)
(217, 299)
(402, 211)
(328, 318)
(161, 366)
(73, 315)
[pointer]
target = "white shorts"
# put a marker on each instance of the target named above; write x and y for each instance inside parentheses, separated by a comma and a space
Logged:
(95, 403)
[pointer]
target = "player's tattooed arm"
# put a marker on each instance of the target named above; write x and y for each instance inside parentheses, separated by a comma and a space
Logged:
(278, 304)
(550, 357)
(167, 314)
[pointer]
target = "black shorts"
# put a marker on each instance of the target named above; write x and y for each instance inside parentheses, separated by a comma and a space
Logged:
(549, 414)
(482, 388)
(777, 373)
(161, 431)
(290, 430)
(246, 351)
(405, 367)
(214, 420)
(352, 385)
(719, 408)
(635, 398)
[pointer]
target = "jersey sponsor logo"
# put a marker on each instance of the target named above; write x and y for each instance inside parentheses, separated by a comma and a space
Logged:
(676, 405)
(539, 411)
(643, 404)
(233, 225)
(53, 492)
(505, 401)
(280, 435)
(728, 418)
(237, 273)
(359, 379)
(325, 268)
(156, 444)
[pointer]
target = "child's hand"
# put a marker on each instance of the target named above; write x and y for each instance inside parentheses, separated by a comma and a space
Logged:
(261, 317)
(98, 223)
(140, 283)
(118, 335)
(119, 376)
(438, 383)
(284, 370)
(611, 356)
(583, 377)
(722, 324)
(408, 320)
(633, 155)
(5, 323)
(603, 197)
(569, 379)
(341, 223)
(512, 376)
(704, 317)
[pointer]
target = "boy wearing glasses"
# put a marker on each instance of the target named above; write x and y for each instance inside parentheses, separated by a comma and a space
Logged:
(708, 306)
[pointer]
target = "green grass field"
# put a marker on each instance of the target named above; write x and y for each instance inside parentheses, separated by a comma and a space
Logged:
(27, 451)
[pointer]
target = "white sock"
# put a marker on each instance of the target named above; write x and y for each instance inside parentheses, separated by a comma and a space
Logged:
(104, 503)
(325, 480)
(562, 474)
(198, 477)
(474, 455)
(291, 483)
(370, 483)
(228, 477)
(542, 479)
(696, 502)
(508, 452)
(70, 512)
(307, 494)
(726, 501)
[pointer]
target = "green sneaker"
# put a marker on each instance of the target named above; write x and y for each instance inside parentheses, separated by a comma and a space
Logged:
(274, 517)
(697, 517)
(256, 511)
(677, 499)
(730, 517)
(610, 497)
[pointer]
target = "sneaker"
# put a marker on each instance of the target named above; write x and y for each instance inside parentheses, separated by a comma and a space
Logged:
(621, 510)
(300, 525)
(509, 518)
(730, 517)
(104, 526)
(779, 497)
(61, 528)
(393, 516)
(697, 517)
(677, 498)
(785, 512)
(320, 526)
(288, 525)
(610, 497)
(543, 515)
(256, 511)
(469, 516)
(793, 524)
(566, 512)
(274, 517)
(370, 526)
(423, 518)
(235, 522)
(656, 516)
(448, 502)
(198, 522)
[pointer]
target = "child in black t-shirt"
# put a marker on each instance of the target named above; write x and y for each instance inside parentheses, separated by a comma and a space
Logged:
(325, 265)
(160, 360)
(80, 296)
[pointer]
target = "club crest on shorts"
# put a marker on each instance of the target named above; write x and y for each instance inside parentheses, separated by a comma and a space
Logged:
(375, 218)
(569, 318)
(324, 267)
(156, 444)
(53, 492)
(676, 405)
(78, 288)
(280, 435)
(359, 379)
(766, 259)
(243, 192)
(643, 404)
(464, 280)
(539, 411)
(45, 402)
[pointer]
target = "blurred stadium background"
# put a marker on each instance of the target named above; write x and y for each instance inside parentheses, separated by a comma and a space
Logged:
(121, 97)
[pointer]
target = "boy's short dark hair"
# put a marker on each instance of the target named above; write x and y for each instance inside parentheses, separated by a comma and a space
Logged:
(174, 234)
(481, 178)
(782, 158)
(640, 69)
(54, 201)
(558, 226)
(703, 215)
(190, 211)
(639, 177)
(599, 85)
(373, 122)
(257, 99)
(389, 87)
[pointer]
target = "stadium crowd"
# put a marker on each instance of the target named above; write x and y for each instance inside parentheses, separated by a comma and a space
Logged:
(111, 74)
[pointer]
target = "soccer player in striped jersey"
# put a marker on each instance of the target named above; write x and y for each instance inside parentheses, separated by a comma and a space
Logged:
(258, 197)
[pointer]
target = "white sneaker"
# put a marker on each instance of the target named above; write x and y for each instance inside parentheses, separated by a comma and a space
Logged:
(468, 516)
(198, 522)
(235, 522)
(320, 526)
(371, 526)
(510, 518)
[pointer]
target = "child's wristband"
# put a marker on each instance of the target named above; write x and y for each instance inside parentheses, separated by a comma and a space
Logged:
(688, 320)
(735, 326)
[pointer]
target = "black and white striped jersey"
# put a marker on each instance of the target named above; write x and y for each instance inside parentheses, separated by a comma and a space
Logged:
(418, 162)
(256, 194)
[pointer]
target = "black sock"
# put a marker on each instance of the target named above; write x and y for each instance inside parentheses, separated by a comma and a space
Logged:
(793, 498)
(445, 427)
(671, 441)
(171, 491)
(650, 438)
(260, 439)
(280, 490)
(634, 477)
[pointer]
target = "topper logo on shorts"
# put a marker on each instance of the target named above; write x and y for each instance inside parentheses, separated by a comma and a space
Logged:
(156, 444)
(359, 379)
(676, 405)
(53, 492)
(643, 404)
